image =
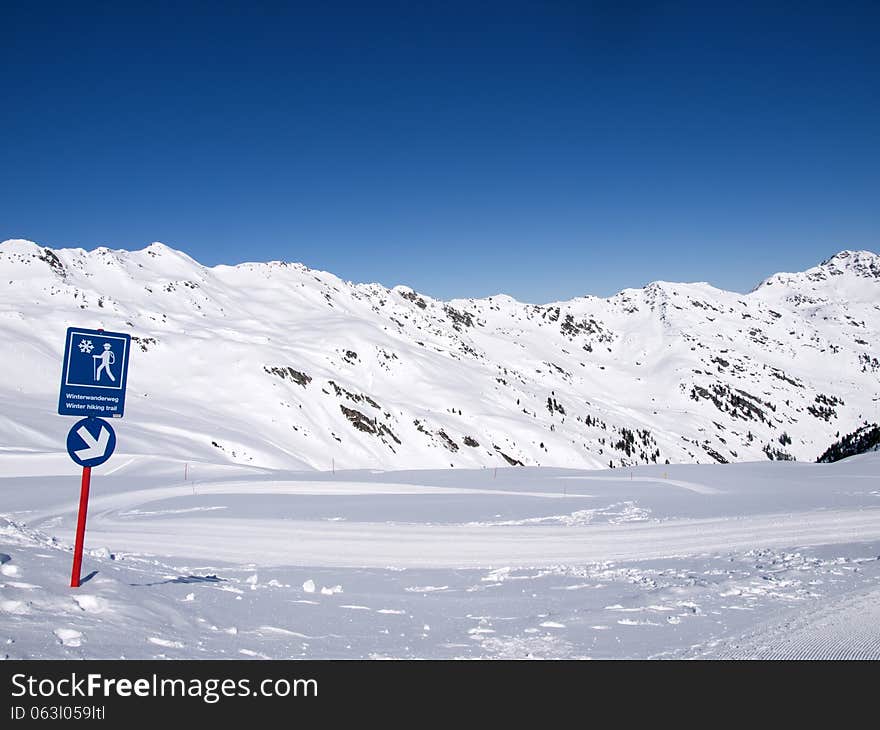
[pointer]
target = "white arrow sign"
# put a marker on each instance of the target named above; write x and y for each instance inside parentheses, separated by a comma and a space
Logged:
(96, 447)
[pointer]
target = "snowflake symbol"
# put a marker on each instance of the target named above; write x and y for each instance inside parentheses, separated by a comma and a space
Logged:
(86, 346)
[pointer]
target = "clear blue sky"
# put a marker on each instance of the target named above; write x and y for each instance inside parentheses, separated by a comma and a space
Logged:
(545, 149)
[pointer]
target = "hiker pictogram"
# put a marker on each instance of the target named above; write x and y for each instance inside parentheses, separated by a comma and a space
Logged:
(106, 359)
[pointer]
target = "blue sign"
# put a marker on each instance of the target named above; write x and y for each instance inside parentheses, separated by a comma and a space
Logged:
(91, 442)
(94, 373)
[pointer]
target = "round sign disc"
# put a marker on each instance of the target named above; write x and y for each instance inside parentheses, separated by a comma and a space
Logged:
(91, 442)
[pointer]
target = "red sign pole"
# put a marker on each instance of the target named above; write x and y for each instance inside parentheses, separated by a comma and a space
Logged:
(81, 526)
(81, 522)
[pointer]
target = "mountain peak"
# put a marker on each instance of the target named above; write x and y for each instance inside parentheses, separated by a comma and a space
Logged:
(20, 246)
(157, 247)
(21, 254)
(862, 263)
(167, 258)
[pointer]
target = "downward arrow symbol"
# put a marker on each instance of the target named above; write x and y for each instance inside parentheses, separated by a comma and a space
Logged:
(96, 447)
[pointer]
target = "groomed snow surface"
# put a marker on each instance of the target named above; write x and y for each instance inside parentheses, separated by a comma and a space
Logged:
(752, 560)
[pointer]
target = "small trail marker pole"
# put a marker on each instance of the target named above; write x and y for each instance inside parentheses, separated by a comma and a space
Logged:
(91, 440)
(81, 526)
(185, 471)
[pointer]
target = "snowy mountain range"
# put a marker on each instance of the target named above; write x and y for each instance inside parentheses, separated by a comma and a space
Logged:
(277, 365)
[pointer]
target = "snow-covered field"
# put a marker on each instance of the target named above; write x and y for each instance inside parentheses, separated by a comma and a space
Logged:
(774, 559)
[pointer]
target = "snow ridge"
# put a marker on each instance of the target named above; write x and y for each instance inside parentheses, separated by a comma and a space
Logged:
(277, 365)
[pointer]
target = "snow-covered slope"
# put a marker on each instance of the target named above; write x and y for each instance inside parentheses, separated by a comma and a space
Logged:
(277, 365)
(748, 560)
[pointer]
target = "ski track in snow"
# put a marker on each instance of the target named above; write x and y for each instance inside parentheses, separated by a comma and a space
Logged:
(845, 628)
(115, 519)
(343, 544)
(133, 499)
(690, 486)
(528, 542)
